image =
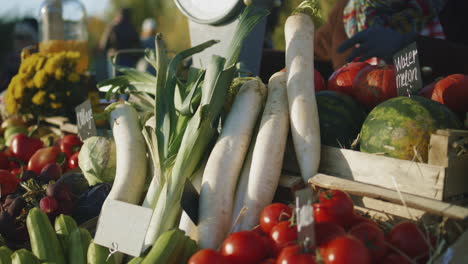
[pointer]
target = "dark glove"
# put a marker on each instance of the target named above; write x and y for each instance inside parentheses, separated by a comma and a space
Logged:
(376, 41)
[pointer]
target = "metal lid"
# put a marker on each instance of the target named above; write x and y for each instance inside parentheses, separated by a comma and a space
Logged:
(209, 11)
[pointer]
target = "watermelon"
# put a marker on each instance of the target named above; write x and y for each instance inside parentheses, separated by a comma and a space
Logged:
(340, 118)
(402, 126)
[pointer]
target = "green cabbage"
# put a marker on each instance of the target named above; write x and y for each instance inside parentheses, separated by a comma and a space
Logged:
(97, 159)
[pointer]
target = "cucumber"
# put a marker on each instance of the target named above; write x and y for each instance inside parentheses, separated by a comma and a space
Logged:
(64, 225)
(44, 242)
(5, 255)
(98, 254)
(167, 248)
(136, 260)
(23, 256)
(78, 247)
(190, 248)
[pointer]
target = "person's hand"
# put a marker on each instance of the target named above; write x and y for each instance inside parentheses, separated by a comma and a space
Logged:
(376, 41)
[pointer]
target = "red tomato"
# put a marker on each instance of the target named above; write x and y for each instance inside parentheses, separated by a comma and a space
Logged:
(342, 79)
(43, 157)
(393, 258)
(244, 247)
(407, 237)
(73, 161)
(327, 231)
(345, 249)
(269, 245)
(4, 162)
(321, 215)
(283, 234)
(207, 256)
(269, 261)
(373, 238)
(70, 144)
(8, 182)
(273, 214)
(357, 219)
(24, 147)
(374, 84)
(335, 206)
(16, 172)
(294, 255)
(319, 82)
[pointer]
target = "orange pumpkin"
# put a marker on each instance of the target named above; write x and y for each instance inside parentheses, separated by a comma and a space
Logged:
(374, 84)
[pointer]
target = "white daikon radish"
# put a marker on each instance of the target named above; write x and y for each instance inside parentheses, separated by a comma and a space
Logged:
(304, 119)
(267, 158)
(225, 163)
(241, 189)
(130, 153)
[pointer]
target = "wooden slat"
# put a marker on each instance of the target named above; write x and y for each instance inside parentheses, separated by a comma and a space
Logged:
(69, 128)
(391, 209)
(417, 202)
(452, 132)
(410, 177)
(442, 153)
(438, 151)
(457, 183)
(56, 120)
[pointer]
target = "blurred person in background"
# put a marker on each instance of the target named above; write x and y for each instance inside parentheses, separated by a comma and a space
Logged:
(362, 29)
(119, 35)
(25, 34)
(147, 39)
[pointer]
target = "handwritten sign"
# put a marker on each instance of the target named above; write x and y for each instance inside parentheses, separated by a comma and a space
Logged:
(408, 71)
(85, 121)
(122, 227)
(305, 217)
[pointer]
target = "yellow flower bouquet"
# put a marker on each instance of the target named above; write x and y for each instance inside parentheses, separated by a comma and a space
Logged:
(47, 84)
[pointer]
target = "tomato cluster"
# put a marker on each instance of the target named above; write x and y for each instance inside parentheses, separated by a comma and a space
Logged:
(29, 154)
(341, 236)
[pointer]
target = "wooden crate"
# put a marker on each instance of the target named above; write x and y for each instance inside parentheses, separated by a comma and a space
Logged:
(443, 178)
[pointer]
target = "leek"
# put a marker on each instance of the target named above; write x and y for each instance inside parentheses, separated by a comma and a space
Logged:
(184, 117)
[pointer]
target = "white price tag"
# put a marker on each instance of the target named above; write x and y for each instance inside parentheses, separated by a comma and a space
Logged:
(122, 227)
(305, 217)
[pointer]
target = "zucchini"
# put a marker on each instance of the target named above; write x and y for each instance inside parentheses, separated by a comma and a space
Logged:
(44, 242)
(78, 247)
(167, 248)
(98, 254)
(136, 260)
(5, 255)
(23, 256)
(190, 248)
(64, 225)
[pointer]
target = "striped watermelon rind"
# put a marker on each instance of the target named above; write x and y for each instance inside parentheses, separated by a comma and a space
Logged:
(401, 127)
(341, 118)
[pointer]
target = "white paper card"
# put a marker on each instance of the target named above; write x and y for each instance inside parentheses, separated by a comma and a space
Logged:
(123, 226)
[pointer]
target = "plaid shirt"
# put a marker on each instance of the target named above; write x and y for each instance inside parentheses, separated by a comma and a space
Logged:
(401, 15)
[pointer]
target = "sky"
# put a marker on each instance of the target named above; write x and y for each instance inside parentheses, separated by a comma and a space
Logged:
(31, 7)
